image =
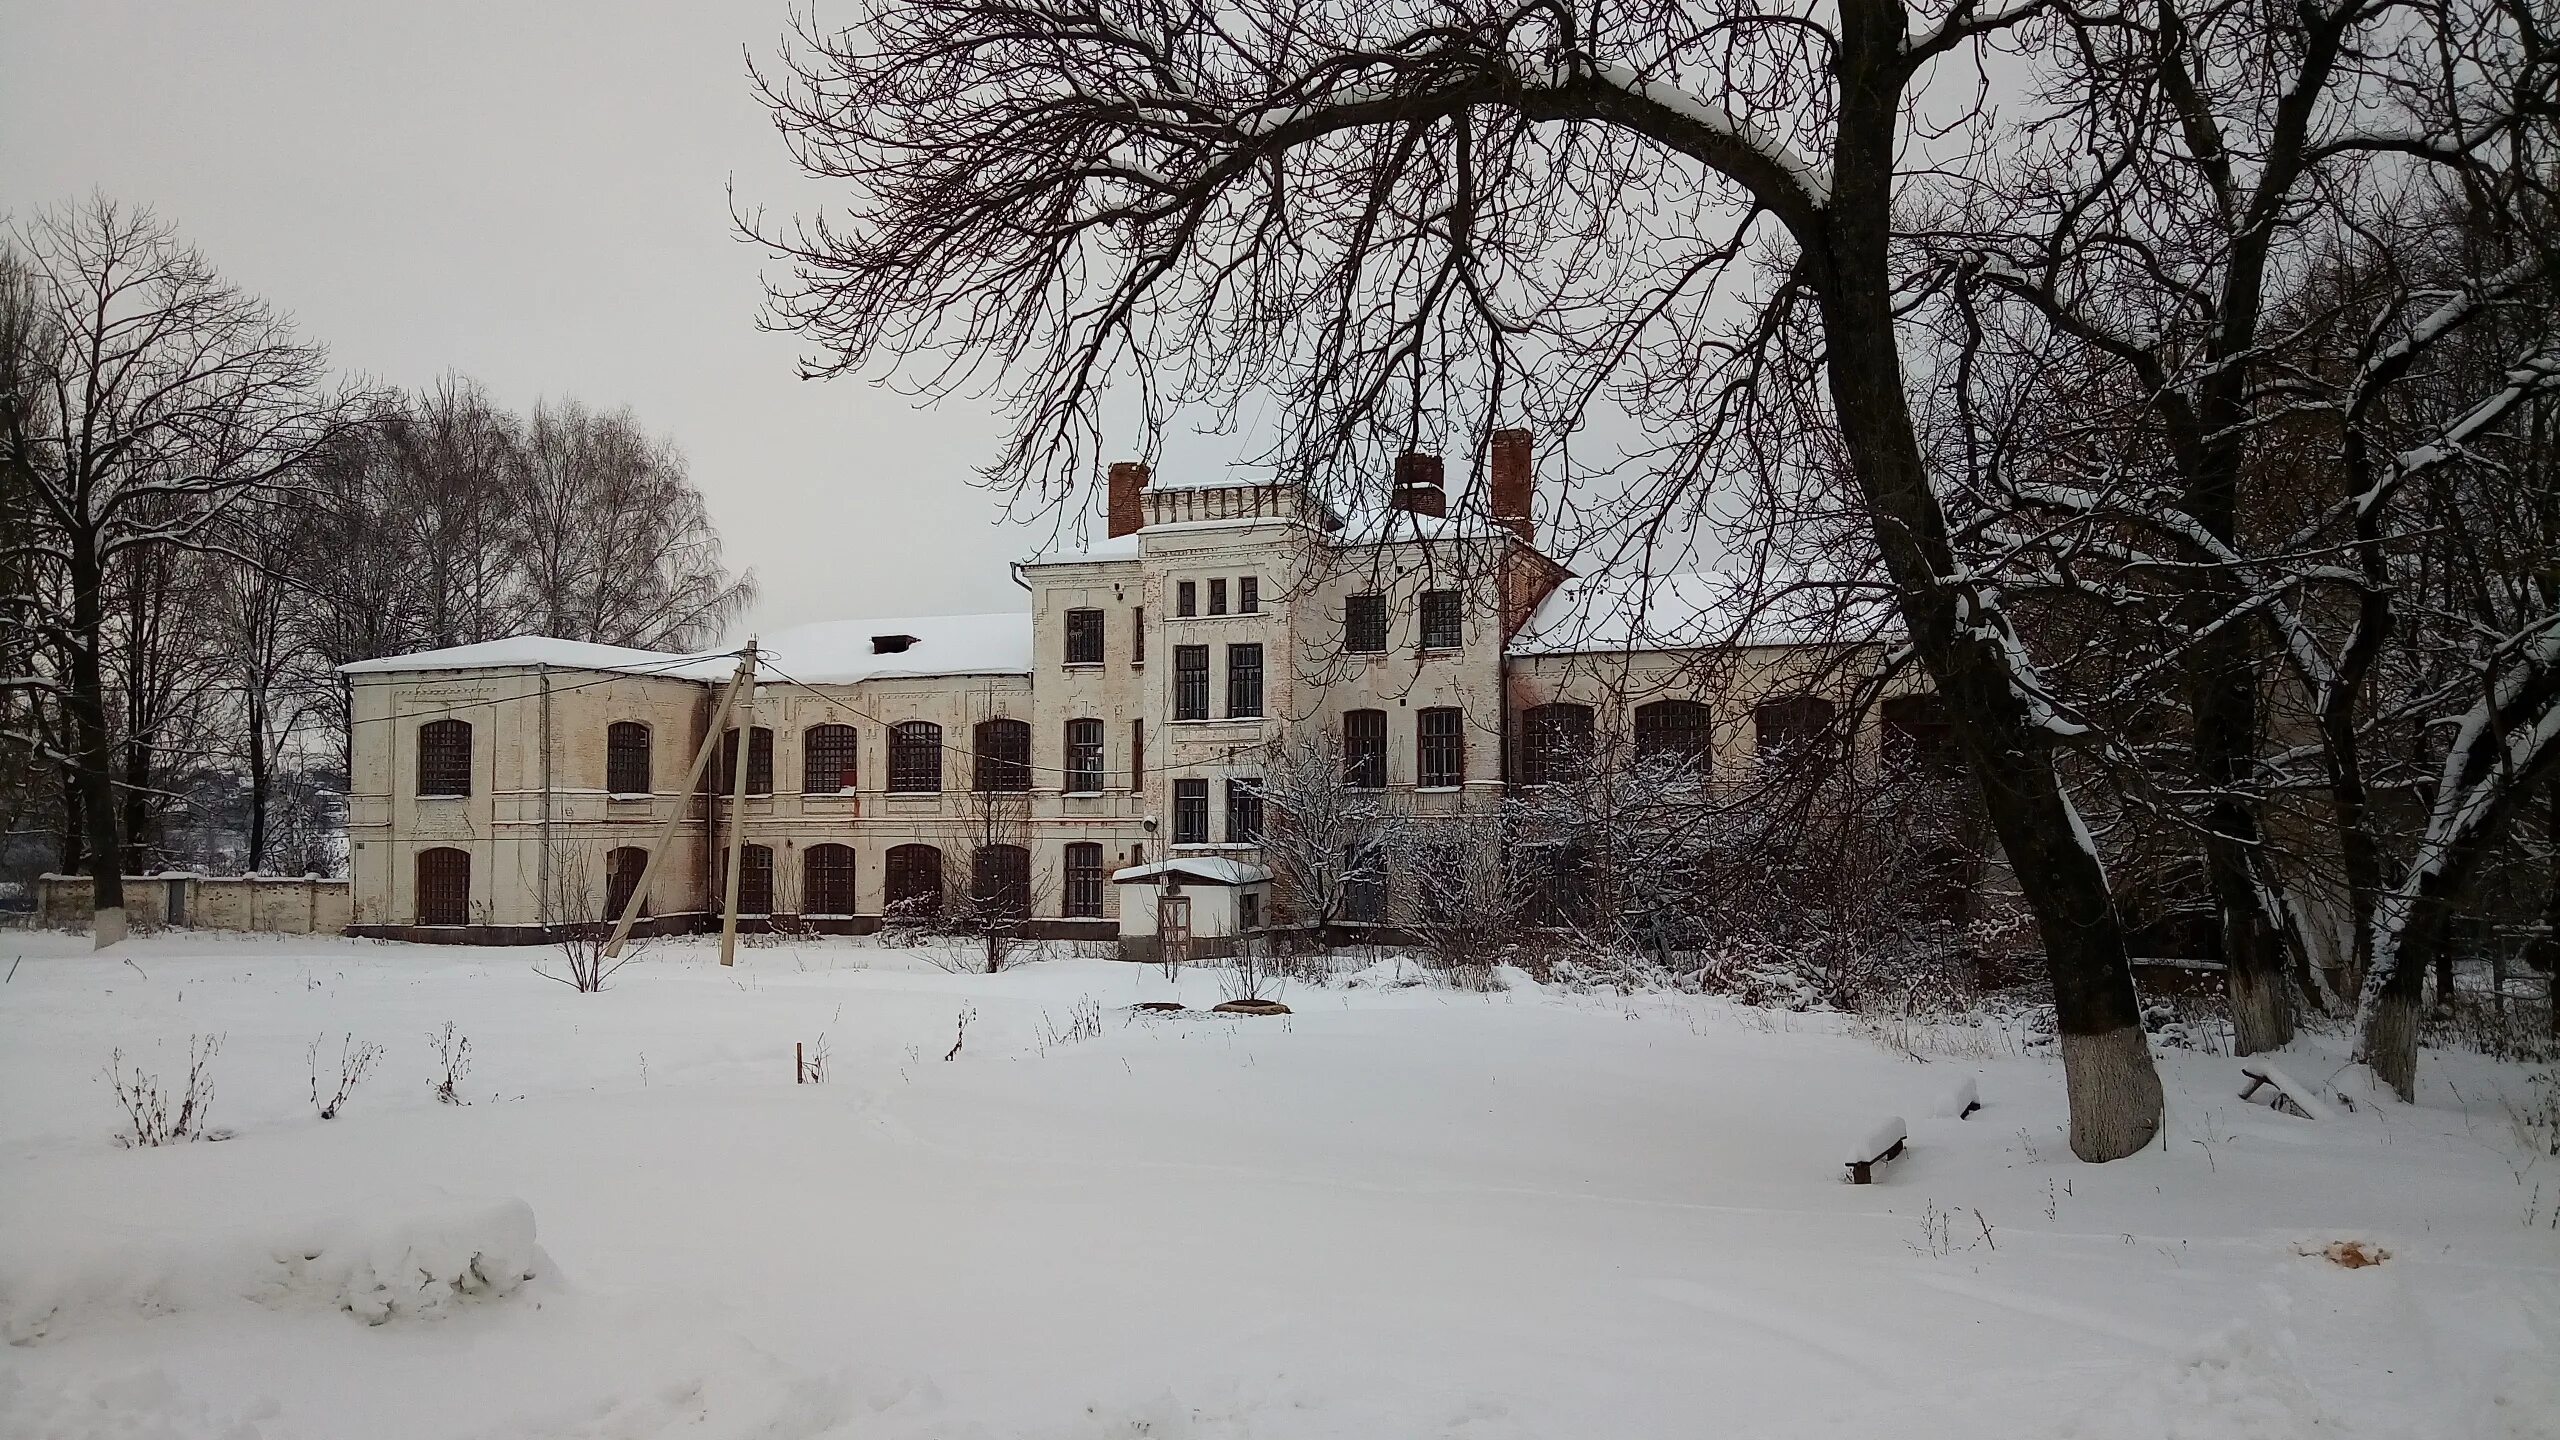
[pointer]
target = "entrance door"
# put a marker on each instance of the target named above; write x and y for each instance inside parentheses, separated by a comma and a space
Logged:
(1173, 927)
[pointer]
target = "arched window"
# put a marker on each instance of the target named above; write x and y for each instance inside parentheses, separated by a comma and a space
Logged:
(444, 757)
(623, 867)
(755, 880)
(1679, 729)
(1084, 880)
(826, 886)
(1555, 742)
(1917, 732)
(1003, 761)
(444, 886)
(1084, 757)
(759, 762)
(1364, 749)
(1793, 726)
(827, 759)
(915, 758)
(626, 758)
(914, 880)
(1000, 880)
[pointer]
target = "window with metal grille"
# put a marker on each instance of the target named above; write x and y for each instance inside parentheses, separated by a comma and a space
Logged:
(444, 886)
(1084, 637)
(826, 883)
(623, 867)
(1440, 629)
(1364, 749)
(1190, 682)
(914, 880)
(1218, 597)
(1190, 812)
(444, 757)
(1003, 750)
(626, 758)
(755, 880)
(1792, 727)
(1679, 729)
(1248, 595)
(1186, 598)
(1440, 747)
(759, 762)
(1244, 682)
(1084, 757)
(827, 759)
(1917, 733)
(1084, 881)
(915, 757)
(1137, 757)
(1555, 743)
(1364, 624)
(1000, 881)
(1244, 812)
(1137, 634)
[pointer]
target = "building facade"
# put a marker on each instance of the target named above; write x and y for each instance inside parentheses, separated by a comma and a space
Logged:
(1118, 722)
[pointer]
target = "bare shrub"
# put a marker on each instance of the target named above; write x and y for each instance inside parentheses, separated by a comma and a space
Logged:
(355, 1062)
(149, 1119)
(579, 931)
(1084, 1022)
(1254, 972)
(453, 1057)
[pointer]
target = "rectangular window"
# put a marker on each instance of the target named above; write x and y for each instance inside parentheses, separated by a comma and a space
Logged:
(1084, 881)
(1244, 812)
(1364, 894)
(1249, 910)
(1084, 758)
(1137, 634)
(1364, 624)
(1439, 620)
(1364, 749)
(1218, 597)
(1137, 757)
(1190, 812)
(1084, 637)
(1244, 682)
(1186, 598)
(1440, 747)
(1190, 682)
(1248, 595)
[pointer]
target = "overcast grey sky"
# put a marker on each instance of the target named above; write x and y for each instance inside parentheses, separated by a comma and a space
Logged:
(530, 192)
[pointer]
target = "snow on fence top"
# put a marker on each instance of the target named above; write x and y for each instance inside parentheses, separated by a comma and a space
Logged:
(829, 652)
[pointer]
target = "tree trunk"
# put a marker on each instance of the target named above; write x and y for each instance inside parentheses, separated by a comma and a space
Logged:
(94, 749)
(257, 782)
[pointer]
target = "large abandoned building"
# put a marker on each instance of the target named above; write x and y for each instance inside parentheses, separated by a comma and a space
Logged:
(1113, 730)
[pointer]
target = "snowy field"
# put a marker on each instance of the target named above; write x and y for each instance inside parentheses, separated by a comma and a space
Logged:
(1399, 1212)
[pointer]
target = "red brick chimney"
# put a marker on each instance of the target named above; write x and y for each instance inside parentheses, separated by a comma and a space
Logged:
(1128, 512)
(1418, 485)
(1514, 484)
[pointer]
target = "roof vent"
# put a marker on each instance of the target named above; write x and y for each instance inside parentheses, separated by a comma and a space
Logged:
(891, 644)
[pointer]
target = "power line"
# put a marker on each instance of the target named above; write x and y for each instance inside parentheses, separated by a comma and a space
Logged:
(644, 671)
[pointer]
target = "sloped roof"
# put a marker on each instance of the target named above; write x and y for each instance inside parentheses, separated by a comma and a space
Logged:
(519, 651)
(828, 652)
(1207, 869)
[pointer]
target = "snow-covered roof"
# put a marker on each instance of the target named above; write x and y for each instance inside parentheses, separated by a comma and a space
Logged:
(1592, 614)
(1387, 524)
(1079, 552)
(1207, 869)
(828, 652)
(517, 651)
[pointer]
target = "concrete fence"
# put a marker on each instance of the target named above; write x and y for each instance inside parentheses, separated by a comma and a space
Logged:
(288, 905)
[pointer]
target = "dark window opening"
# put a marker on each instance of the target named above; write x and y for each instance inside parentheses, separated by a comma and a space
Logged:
(1084, 757)
(1244, 682)
(1440, 747)
(1186, 598)
(1003, 756)
(444, 886)
(1364, 624)
(891, 644)
(1137, 757)
(1190, 812)
(1218, 597)
(755, 880)
(623, 867)
(1440, 621)
(1364, 749)
(444, 757)
(915, 758)
(1190, 682)
(1084, 637)
(1084, 881)
(827, 759)
(1917, 733)
(1680, 729)
(626, 758)
(1555, 743)
(913, 884)
(1000, 881)
(1244, 812)
(1364, 896)
(1248, 595)
(1249, 910)
(826, 886)
(759, 762)
(1137, 634)
(1793, 727)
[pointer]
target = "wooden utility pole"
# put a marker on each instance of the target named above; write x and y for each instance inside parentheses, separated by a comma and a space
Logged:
(740, 761)
(693, 777)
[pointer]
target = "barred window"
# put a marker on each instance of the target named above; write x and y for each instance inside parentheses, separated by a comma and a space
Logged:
(1084, 637)
(1364, 624)
(1084, 757)
(626, 758)
(915, 758)
(826, 886)
(1440, 747)
(444, 758)
(1364, 749)
(1186, 598)
(1792, 726)
(1244, 812)
(1364, 895)
(1244, 681)
(759, 762)
(1917, 732)
(1000, 881)
(1680, 729)
(1190, 812)
(827, 755)
(1248, 595)
(623, 867)
(1218, 596)
(755, 880)
(914, 880)
(1555, 742)
(444, 886)
(1440, 622)
(1190, 682)
(1084, 880)
(1003, 756)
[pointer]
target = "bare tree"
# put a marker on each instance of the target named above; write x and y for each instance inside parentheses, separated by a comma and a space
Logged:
(993, 891)
(1323, 838)
(578, 927)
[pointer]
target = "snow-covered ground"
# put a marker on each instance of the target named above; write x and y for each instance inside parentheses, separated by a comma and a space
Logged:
(1396, 1213)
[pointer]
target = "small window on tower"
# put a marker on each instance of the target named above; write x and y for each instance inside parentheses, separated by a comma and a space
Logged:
(1218, 597)
(1248, 595)
(1186, 598)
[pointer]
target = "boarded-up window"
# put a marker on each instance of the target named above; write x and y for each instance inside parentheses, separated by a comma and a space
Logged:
(755, 880)
(915, 758)
(1084, 880)
(1084, 637)
(826, 886)
(444, 757)
(623, 867)
(1555, 743)
(1084, 757)
(828, 756)
(1364, 749)
(444, 886)
(759, 762)
(1364, 624)
(626, 758)
(1440, 746)
(1003, 761)
(1680, 729)
(914, 882)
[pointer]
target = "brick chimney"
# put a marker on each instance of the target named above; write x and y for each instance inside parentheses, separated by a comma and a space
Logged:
(1418, 485)
(1514, 484)
(1128, 512)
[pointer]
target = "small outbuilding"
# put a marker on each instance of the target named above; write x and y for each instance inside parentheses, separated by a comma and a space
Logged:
(1190, 907)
